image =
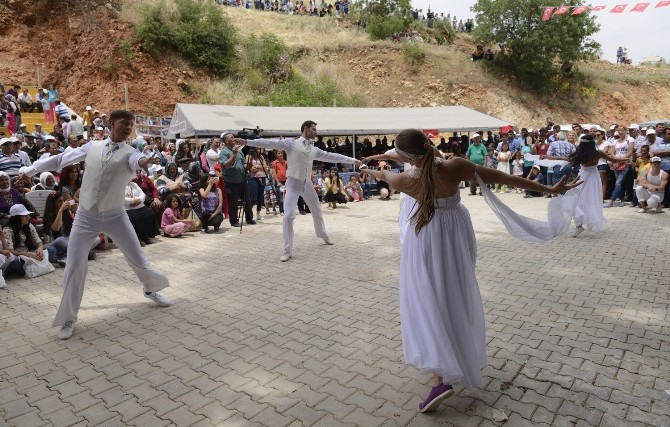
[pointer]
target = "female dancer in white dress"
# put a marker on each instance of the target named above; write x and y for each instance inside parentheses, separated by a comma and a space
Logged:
(441, 313)
(588, 212)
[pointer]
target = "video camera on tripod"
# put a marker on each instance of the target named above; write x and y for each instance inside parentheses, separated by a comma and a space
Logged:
(249, 133)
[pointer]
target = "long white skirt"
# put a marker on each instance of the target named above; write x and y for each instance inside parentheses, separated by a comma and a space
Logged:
(589, 208)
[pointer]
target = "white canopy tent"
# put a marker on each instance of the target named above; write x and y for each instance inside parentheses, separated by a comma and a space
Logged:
(196, 120)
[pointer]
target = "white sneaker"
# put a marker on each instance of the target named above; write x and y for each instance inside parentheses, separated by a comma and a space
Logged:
(259, 218)
(328, 241)
(643, 210)
(579, 230)
(2, 281)
(158, 298)
(66, 330)
(659, 209)
(285, 257)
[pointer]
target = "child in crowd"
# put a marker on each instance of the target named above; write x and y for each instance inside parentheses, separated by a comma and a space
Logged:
(270, 197)
(503, 164)
(11, 121)
(322, 184)
(172, 223)
(517, 169)
(6, 259)
(354, 189)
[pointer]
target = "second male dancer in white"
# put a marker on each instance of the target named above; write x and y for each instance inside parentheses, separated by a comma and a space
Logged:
(300, 154)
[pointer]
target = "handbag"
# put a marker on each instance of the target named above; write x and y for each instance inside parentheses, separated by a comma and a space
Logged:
(196, 224)
(35, 268)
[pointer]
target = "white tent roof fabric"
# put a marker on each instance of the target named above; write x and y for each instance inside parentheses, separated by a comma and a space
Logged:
(207, 120)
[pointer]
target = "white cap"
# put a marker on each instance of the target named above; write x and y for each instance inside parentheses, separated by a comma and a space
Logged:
(634, 126)
(100, 128)
(38, 124)
(651, 131)
(88, 108)
(536, 167)
(4, 141)
(656, 159)
(49, 138)
(612, 127)
(18, 210)
(13, 139)
(22, 125)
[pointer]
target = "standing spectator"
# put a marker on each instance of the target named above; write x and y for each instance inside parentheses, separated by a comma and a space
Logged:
(257, 177)
(52, 96)
(517, 169)
(477, 154)
(49, 115)
(234, 175)
(503, 158)
(623, 149)
(75, 127)
(619, 54)
(278, 172)
(88, 117)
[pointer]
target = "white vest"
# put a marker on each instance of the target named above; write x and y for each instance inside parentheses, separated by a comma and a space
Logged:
(103, 187)
(300, 160)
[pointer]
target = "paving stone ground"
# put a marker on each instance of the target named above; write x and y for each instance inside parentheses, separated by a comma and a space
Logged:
(578, 331)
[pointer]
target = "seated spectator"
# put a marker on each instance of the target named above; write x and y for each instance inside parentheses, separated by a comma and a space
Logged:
(211, 204)
(151, 196)
(142, 218)
(22, 238)
(354, 189)
(335, 192)
(26, 101)
(9, 197)
(365, 181)
(478, 53)
(70, 181)
(59, 215)
(9, 162)
(172, 223)
(47, 182)
(534, 175)
(651, 187)
(8, 261)
(489, 56)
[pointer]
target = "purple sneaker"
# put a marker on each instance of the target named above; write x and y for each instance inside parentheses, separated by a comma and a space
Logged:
(436, 396)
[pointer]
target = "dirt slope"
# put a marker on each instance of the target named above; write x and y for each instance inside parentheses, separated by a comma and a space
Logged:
(79, 50)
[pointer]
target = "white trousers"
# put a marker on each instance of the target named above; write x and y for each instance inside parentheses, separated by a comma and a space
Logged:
(87, 225)
(653, 199)
(295, 189)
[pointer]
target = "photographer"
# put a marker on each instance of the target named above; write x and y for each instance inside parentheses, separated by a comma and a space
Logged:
(211, 202)
(234, 175)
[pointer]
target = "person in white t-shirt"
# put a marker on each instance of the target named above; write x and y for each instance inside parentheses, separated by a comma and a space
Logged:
(212, 154)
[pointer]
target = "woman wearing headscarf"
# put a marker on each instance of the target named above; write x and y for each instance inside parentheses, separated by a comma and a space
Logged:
(142, 218)
(172, 182)
(9, 197)
(47, 182)
(150, 192)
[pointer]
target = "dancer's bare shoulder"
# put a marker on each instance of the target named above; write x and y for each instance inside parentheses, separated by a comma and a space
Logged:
(456, 169)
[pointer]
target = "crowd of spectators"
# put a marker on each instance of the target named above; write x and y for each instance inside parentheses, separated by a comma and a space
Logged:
(622, 182)
(297, 7)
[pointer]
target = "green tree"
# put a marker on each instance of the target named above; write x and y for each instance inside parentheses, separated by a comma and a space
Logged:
(530, 48)
(383, 18)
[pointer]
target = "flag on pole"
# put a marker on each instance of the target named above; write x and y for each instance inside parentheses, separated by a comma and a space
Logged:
(579, 10)
(640, 7)
(599, 8)
(662, 4)
(547, 13)
(561, 10)
(432, 133)
(618, 8)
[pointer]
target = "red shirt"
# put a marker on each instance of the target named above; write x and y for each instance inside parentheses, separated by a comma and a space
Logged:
(542, 149)
(280, 169)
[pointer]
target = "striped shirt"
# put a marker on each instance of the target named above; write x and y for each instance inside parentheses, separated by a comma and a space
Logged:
(10, 164)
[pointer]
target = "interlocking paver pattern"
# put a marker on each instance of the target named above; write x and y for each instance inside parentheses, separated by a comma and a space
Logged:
(578, 331)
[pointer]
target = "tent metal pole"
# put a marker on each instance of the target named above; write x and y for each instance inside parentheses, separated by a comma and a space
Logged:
(354, 151)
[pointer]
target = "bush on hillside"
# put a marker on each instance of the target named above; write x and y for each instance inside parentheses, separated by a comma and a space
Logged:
(298, 92)
(443, 32)
(414, 53)
(383, 28)
(197, 29)
(268, 54)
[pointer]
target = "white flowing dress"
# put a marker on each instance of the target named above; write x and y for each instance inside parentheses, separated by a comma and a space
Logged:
(589, 208)
(441, 311)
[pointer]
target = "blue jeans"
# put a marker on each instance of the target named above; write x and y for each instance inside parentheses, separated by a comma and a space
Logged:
(14, 268)
(58, 249)
(560, 172)
(367, 189)
(617, 193)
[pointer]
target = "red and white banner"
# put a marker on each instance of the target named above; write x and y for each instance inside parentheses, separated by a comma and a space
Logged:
(550, 11)
(640, 7)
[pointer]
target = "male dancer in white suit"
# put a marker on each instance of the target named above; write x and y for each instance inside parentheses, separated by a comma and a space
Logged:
(110, 164)
(300, 154)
